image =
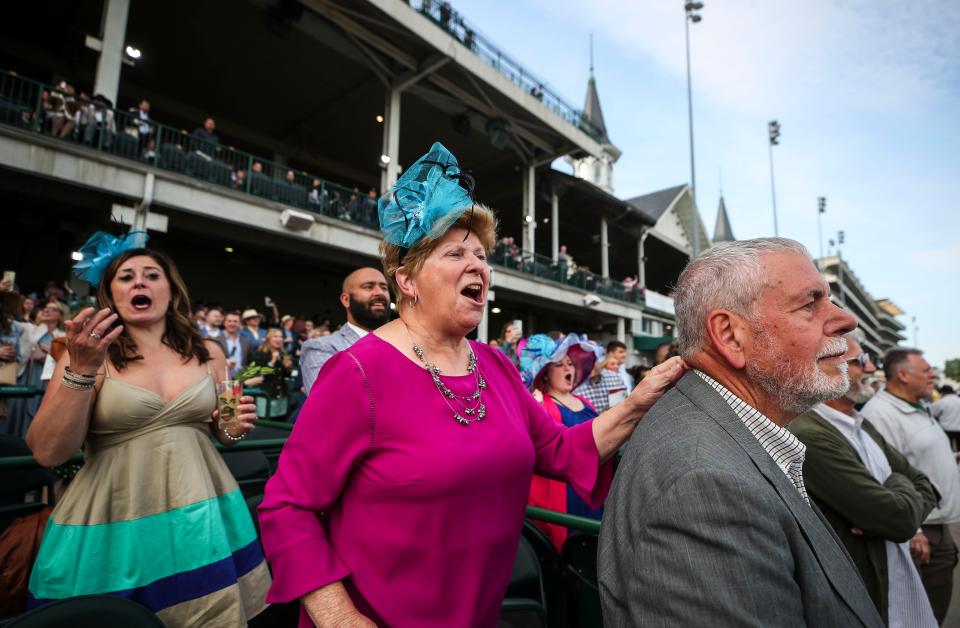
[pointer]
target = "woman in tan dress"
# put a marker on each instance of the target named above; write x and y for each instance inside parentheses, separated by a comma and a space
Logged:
(154, 514)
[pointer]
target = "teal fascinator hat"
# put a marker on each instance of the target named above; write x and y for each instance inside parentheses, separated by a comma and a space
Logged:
(541, 350)
(427, 199)
(101, 249)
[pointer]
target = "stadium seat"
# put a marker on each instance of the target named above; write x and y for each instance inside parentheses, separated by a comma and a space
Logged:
(124, 145)
(14, 483)
(523, 606)
(172, 157)
(261, 185)
(87, 611)
(250, 469)
(580, 555)
(281, 191)
(551, 571)
(298, 196)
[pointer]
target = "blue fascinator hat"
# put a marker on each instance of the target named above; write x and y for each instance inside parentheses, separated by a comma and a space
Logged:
(101, 249)
(541, 350)
(427, 199)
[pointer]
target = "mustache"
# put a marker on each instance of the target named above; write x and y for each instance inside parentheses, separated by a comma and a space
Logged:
(377, 300)
(832, 347)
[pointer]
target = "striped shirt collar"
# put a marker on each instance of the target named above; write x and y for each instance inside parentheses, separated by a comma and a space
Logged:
(786, 450)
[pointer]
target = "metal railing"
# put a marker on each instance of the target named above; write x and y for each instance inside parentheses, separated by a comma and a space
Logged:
(58, 112)
(567, 274)
(466, 33)
(571, 521)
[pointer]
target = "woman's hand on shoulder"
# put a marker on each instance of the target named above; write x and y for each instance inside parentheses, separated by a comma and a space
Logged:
(88, 338)
(537, 395)
(656, 382)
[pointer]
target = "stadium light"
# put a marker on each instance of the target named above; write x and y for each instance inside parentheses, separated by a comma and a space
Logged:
(379, 118)
(133, 52)
(76, 256)
(773, 132)
(384, 159)
(528, 219)
(821, 209)
(690, 15)
(495, 310)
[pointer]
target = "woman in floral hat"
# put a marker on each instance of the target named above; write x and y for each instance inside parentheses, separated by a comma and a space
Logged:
(552, 369)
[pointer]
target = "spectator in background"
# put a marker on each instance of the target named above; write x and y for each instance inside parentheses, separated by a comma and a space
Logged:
(204, 140)
(26, 310)
(200, 316)
(314, 197)
(947, 411)
(251, 327)
(238, 179)
(869, 493)
(63, 110)
(237, 347)
(510, 335)
(618, 350)
(35, 342)
(663, 352)
(604, 388)
(900, 417)
(289, 337)
(495, 343)
(291, 177)
(270, 353)
(551, 369)
(213, 323)
(365, 297)
(141, 115)
(257, 167)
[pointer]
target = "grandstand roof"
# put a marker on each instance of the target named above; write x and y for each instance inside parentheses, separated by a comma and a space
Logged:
(653, 205)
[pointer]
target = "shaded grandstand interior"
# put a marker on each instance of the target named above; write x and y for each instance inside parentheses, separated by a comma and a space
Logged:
(294, 87)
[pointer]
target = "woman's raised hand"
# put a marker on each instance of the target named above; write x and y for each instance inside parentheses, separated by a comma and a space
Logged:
(657, 381)
(88, 339)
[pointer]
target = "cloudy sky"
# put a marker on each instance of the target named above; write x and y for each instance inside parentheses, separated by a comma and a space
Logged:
(867, 94)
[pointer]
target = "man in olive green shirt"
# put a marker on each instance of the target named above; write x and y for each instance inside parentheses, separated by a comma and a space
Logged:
(870, 494)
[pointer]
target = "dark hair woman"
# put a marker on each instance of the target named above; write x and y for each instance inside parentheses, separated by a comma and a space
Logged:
(154, 514)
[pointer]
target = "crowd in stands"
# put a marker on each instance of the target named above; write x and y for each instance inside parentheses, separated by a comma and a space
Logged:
(68, 113)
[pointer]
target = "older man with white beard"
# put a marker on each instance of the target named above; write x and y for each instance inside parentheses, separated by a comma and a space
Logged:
(708, 521)
(870, 494)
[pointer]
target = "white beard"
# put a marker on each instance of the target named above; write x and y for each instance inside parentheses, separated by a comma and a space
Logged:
(797, 386)
(860, 392)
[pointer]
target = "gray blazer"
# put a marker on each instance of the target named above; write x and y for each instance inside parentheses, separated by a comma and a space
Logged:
(316, 351)
(703, 528)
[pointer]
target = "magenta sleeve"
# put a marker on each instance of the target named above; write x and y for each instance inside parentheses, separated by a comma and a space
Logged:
(333, 433)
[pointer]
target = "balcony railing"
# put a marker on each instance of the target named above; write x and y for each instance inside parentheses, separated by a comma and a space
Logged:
(453, 22)
(543, 267)
(78, 119)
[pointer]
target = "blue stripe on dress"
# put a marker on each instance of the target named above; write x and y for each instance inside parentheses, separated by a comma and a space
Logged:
(188, 585)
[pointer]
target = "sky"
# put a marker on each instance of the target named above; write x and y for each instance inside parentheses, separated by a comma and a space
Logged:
(867, 95)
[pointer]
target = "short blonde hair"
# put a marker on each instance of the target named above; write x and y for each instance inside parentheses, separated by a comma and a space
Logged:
(481, 220)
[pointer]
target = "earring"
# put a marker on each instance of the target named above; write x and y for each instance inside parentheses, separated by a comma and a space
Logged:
(416, 298)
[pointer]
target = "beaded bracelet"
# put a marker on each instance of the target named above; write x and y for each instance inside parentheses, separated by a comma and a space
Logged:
(74, 385)
(78, 381)
(232, 437)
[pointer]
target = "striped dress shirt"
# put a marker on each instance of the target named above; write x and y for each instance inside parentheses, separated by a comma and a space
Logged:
(786, 449)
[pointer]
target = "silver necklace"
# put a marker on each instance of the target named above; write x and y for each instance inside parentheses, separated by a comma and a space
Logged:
(472, 409)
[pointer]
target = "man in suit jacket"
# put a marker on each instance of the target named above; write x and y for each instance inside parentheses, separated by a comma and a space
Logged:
(237, 347)
(366, 298)
(708, 521)
(870, 494)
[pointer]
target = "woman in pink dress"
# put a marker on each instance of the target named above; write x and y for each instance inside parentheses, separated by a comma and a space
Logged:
(400, 496)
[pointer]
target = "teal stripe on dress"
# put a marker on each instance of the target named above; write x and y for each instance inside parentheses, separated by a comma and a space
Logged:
(85, 560)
